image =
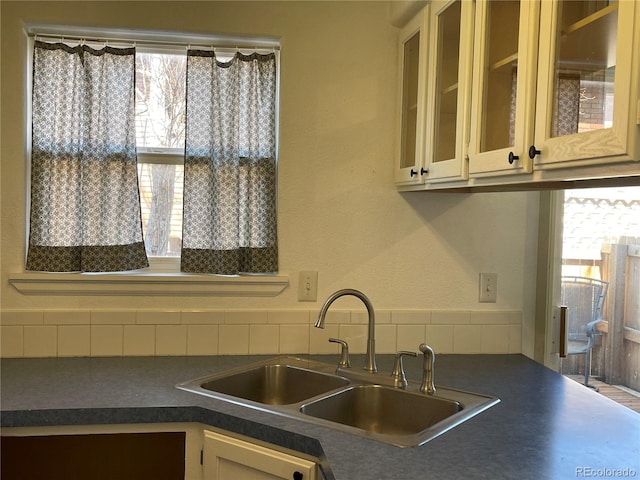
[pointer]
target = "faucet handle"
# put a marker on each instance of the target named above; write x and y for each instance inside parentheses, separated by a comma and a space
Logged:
(399, 378)
(344, 352)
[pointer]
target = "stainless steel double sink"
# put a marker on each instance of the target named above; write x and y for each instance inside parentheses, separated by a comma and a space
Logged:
(311, 391)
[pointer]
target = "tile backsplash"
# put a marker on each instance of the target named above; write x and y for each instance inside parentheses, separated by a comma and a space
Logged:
(98, 333)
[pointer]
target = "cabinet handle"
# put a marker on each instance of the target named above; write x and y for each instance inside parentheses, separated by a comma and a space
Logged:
(297, 476)
(563, 332)
(423, 171)
(533, 151)
(413, 172)
(513, 158)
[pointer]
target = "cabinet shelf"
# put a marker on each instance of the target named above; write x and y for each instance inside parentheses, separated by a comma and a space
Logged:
(449, 89)
(595, 34)
(588, 20)
(505, 61)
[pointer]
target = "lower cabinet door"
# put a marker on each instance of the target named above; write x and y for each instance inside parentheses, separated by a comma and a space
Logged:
(228, 458)
(122, 456)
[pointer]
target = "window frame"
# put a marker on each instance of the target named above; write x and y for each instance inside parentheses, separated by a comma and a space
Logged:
(163, 276)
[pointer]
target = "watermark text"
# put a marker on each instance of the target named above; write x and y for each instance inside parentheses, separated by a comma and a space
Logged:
(590, 472)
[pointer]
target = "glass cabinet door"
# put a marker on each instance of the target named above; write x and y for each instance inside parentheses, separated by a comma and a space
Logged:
(503, 109)
(585, 99)
(584, 67)
(447, 75)
(501, 74)
(412, 54)
(451, 30)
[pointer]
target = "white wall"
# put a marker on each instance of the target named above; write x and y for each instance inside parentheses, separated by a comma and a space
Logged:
(339, 212)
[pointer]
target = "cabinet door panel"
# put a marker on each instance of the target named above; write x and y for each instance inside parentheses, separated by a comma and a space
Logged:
(413, 55)
(234, 470)
(504, 76)
(584, 108)
(228, 458)
(501, 74)
(449, 92)
(119, 456)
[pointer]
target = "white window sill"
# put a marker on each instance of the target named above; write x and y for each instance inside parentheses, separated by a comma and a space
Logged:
(148, 284)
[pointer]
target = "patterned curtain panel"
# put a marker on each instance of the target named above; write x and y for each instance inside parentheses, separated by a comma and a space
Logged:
(229, 221)
(85, 204)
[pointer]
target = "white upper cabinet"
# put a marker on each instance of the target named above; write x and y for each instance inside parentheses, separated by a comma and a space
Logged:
(413, 48)
(555, 90)
(588, 86)
(526, 92)
(504, 87)
(449, 90)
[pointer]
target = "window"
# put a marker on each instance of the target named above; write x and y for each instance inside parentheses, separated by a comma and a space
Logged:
(160, 126)
(161, 73)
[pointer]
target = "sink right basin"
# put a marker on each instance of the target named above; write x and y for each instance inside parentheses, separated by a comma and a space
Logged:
(405, 418)
(382, 410)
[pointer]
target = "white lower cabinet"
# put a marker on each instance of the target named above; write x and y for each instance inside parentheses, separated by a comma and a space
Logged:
(229, 458)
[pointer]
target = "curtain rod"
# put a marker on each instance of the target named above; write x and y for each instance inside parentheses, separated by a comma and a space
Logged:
(119, 42)
(151, 39)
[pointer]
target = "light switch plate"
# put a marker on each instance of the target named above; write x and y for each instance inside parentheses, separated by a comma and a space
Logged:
(308, 286)
(488, 288)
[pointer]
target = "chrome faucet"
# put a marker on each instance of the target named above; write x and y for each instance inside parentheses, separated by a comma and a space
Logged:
(427, 385)
(370, 358)
(398, 375)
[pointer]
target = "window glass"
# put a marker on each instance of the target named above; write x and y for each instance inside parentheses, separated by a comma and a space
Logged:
(161, 206)
(160, 124)
(447, 82)
(160, 100)
(585, 67)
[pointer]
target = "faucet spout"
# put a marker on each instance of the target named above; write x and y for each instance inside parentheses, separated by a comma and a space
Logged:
(370, 358)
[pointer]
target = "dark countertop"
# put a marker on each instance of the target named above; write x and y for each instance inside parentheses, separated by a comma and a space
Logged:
(545, 427)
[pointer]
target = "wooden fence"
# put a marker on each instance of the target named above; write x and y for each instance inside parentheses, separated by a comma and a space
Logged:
(617, 355)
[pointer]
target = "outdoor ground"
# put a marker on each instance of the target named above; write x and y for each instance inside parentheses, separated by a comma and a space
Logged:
(623, 395)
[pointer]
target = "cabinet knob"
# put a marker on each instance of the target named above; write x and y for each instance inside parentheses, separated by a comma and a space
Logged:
(422, 172)
(513, 158)
(297, 476)
(533, 151)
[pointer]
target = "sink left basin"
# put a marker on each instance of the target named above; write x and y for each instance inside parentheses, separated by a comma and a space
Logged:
(274, 383)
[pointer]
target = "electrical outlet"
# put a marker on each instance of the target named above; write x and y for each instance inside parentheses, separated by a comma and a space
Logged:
(307, 286)
(488, 287)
